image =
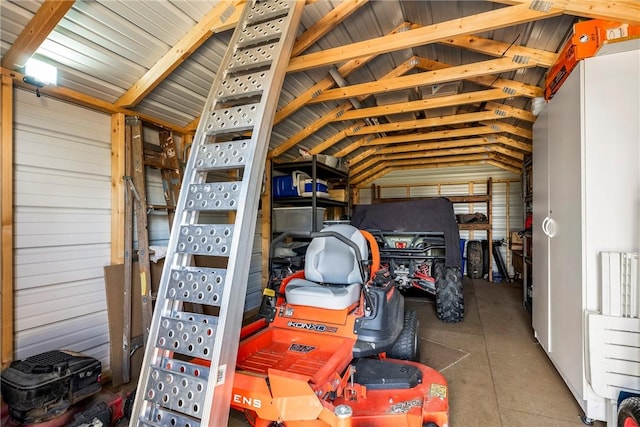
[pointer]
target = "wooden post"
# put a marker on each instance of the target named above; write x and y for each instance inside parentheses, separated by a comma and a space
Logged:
(6, 171)
(117, 188)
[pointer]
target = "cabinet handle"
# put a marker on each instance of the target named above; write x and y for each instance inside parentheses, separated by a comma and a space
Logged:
(551, 228)
(545, 222)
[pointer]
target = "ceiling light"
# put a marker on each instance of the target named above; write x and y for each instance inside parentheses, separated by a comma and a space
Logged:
(39, 72)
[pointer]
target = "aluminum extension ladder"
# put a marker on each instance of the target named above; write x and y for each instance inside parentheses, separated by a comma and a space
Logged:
(231, 140)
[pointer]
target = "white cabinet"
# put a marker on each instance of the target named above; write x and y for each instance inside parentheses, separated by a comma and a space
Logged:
(586, 199)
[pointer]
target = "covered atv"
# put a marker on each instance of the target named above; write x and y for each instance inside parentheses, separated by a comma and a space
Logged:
(420, 245)
(321, 357)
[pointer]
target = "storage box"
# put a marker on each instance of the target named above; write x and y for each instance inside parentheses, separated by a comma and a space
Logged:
(588, 37)
(339, 195)
(306, 188)
(515, 241)
(284, 186)
(290, 185)
(297, 219)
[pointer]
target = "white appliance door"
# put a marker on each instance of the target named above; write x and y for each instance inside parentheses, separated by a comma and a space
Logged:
(540, 251)
(565, 230)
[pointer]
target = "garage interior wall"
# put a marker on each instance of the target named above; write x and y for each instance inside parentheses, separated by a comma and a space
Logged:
(62, 214)
(62, 176)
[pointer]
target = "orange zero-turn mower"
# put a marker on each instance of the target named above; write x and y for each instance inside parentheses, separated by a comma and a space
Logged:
(337, 349)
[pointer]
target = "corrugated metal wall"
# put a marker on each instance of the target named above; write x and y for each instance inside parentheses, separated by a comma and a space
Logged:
(454, 182)
(62, 226)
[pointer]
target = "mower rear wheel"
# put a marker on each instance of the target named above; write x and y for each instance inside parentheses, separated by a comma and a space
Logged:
(629, 412)
(449, 297)
(407, 346)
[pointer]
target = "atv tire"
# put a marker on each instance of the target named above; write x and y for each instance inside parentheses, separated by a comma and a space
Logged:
(485, 259)
(449, 296)
(407, 346)
(474, 259)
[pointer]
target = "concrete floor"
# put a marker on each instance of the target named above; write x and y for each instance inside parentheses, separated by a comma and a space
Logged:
(498, 374)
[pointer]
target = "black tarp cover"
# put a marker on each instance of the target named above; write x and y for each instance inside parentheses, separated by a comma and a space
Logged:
(413, 216)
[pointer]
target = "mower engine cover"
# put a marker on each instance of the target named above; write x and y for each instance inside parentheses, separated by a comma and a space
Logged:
(43, 386)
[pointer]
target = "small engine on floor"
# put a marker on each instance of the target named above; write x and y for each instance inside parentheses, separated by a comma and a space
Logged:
(44, 386)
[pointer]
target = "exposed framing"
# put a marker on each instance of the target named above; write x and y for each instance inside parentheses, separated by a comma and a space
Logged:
(6, 172)
(117, 187)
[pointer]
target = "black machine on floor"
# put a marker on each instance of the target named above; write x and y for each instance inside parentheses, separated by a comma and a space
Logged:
(44, 386)
(419, 243)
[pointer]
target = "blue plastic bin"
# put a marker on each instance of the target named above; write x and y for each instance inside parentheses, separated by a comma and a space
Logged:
(283, 186)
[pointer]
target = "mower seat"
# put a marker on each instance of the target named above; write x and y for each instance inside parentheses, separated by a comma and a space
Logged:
(333, 278)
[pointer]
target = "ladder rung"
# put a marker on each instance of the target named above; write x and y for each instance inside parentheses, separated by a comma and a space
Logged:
(234, 119)
(189, 334)
(210, 239)
(165, 418)
(213, 196)
(177, 391)
(267, 10)
(160, 207)
(224, 155)
(261, 33)
(243, 86)
(197, 285)
(255, 57)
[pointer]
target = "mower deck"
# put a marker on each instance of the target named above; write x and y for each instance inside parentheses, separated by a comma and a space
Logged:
(291, 375)
(303, 353)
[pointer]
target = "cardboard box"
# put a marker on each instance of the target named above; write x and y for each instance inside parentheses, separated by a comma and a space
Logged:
(588, 37)
(515, 241)
(339, 195)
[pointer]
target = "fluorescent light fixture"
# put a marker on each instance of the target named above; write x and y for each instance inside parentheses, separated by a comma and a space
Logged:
(41, 72)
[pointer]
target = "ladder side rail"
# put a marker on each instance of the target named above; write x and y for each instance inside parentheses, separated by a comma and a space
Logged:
(246, 217)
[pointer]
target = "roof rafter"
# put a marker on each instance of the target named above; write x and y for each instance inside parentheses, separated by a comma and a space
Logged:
(478, 23)
(512, 86)
(479, 44)
(35, 32)
(328, 82)
(409, 142)
(621, 11)
(88, 101)
(223, 16)
(461, 72)
(336, 112)
(442, 162)
(326, 24)
(426, 104)
(431, 122)
(486, 146)
(357, 179)
(505, 127)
